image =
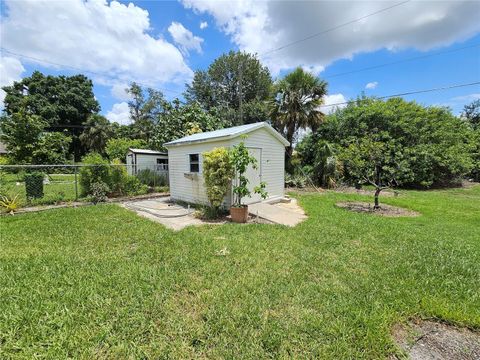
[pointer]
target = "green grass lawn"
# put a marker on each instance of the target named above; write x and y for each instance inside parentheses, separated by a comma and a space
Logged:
(101, 282)
(61, 187)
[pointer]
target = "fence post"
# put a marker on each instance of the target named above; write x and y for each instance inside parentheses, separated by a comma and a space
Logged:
(76, 184)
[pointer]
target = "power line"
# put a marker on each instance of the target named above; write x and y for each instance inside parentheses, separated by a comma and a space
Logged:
(447, 87)
(77, 69)
(399, 61)
(335, 28)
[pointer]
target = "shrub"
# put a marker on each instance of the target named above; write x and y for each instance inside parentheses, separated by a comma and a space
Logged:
(151, 178)
(297, 181)
(52, 148)
(118, 177)
(99, 191)
(4, 160)
(133, 186)
(218, 174)
(161, 189)
(433, 146)
(34, 185)
(97, 171)
(209, 212)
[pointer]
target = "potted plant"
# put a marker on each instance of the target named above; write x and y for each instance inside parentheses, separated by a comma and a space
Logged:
(241, 159)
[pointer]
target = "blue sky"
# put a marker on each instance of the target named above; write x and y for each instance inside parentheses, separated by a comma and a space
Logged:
(161, 43)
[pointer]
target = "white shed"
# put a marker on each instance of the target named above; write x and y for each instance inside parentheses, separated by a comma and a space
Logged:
(264, 143)
(141, 159)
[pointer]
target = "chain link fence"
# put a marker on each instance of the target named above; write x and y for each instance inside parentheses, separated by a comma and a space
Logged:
(31, 185)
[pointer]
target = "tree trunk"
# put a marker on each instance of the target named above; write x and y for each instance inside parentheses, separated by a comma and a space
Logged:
(377, 187)
(377, 193)
(288, 159)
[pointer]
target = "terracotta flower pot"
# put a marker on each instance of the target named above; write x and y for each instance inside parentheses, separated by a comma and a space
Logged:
(239, 214)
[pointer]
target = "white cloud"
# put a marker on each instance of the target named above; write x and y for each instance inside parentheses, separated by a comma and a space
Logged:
(184, 38)
(10, 71)
(120, 113)
(466, 98)
(458, 102)
(203, 25)
(314, 69)
(260, 26)
(333, 99)
(93, 35)
(119, 91)
(371, 85)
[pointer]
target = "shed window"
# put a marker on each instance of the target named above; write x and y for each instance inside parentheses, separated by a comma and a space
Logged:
(162, 165)
(194, 163)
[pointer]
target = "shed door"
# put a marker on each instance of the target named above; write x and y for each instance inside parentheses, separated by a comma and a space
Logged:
(254, 176)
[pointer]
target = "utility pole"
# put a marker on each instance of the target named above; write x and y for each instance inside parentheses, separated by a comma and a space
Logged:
(240, 90)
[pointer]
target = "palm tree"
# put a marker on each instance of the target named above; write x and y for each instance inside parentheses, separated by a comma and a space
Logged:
(96, 134)
(327, 168)
(298, 97)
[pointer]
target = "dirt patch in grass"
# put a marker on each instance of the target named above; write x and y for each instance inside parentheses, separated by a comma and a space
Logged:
(424, 340)
(385, 210)
(352, 190)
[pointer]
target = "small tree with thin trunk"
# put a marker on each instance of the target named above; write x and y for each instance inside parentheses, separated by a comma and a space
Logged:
(241, 159)
(375, 163)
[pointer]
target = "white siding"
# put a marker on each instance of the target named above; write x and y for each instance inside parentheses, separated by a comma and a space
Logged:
(143, 161)
(273, 160)
(182, 187)
(185, 188)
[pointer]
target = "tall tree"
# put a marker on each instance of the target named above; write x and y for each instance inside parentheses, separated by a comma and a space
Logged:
(96, 134)
(182, 120)
(146, 106)
(59, 100)
(471, 113)
(63, 102)
(236, 85)
(298, 97)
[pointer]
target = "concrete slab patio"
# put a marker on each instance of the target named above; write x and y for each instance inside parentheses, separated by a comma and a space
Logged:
(163, 211)
(289, 214)
(177, 217)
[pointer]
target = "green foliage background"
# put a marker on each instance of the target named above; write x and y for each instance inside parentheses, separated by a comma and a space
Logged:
(426, 146)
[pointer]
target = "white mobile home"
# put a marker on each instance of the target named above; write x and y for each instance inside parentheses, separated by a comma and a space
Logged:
(264, 143)
(141, 159)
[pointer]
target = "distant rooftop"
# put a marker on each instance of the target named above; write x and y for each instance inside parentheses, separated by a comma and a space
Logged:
(147, 152)
(230, 132)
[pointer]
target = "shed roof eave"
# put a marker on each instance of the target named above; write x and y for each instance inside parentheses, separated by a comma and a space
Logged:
(265, 125)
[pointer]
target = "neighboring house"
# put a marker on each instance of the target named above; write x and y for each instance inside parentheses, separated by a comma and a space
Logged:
(264, 143)
(3, 149)
(140, 159)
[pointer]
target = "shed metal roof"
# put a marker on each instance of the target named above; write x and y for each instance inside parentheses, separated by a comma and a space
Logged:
(146, 151)
(227, 133)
